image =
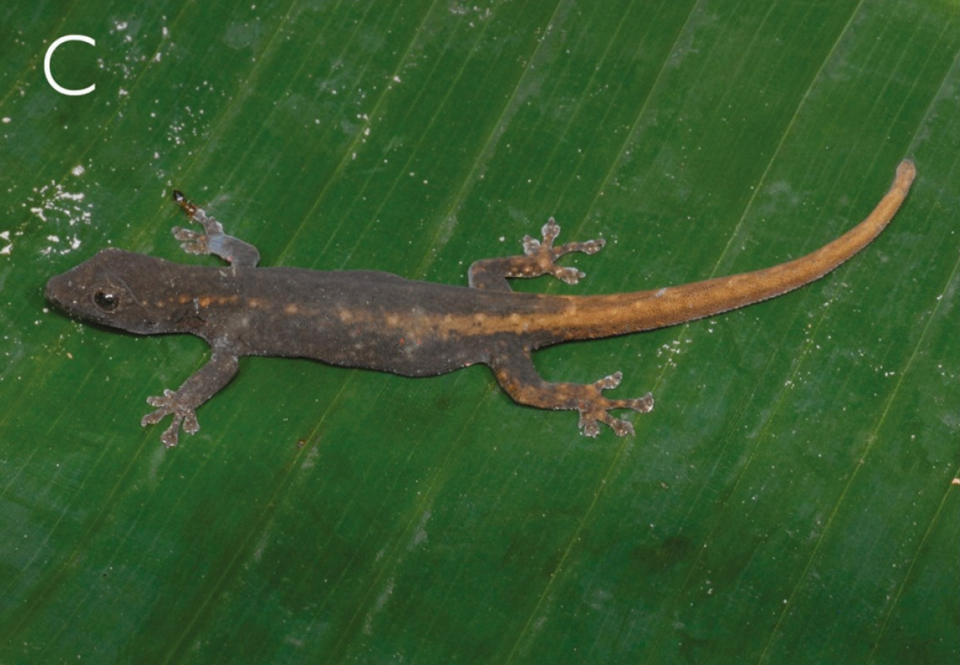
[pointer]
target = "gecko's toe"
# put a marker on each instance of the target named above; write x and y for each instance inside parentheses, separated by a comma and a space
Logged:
(621, 427)
(641, 404)
(190, 423)
(589, 426)
(592, 246)
(186, 235)
(153, 417)
(171, 435)
(568, 275)
(550, 231)
(609, 382)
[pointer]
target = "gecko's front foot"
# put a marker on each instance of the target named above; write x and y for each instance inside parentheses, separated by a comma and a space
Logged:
(594, 407)
(213, 240)
(192, 242)
(545, 254)
(173, 404)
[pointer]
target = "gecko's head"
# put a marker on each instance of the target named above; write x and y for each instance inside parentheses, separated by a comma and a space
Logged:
(112, 289)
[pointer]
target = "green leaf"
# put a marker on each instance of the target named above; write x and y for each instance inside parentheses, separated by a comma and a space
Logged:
(793, 496)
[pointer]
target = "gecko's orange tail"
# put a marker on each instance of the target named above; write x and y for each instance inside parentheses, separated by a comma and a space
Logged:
(603, 316)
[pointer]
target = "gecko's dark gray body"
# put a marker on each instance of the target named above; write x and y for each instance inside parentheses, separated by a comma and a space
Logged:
(367, 319)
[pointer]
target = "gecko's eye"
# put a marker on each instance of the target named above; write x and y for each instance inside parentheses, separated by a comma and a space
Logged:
(106, 300)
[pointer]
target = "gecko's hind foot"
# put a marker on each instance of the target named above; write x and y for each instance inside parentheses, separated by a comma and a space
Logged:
(171, 404)
(545, 254)
(593, 410)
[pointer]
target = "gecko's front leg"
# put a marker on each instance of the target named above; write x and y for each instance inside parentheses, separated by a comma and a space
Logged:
(213, 240)
(183, 402)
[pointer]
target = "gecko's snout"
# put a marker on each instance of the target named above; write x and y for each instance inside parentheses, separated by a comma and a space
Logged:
(53, 290)
(63, 293)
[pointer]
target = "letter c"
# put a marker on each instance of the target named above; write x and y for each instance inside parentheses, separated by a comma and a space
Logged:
(46, 65)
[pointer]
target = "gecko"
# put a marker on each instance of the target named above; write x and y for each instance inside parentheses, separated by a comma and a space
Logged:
(380, 321)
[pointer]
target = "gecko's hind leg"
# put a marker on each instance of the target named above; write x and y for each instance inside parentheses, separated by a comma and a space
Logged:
(539, 258)
(213, 240)
(517, 376)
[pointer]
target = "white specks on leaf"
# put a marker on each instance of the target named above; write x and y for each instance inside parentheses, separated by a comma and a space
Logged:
(54, 205)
